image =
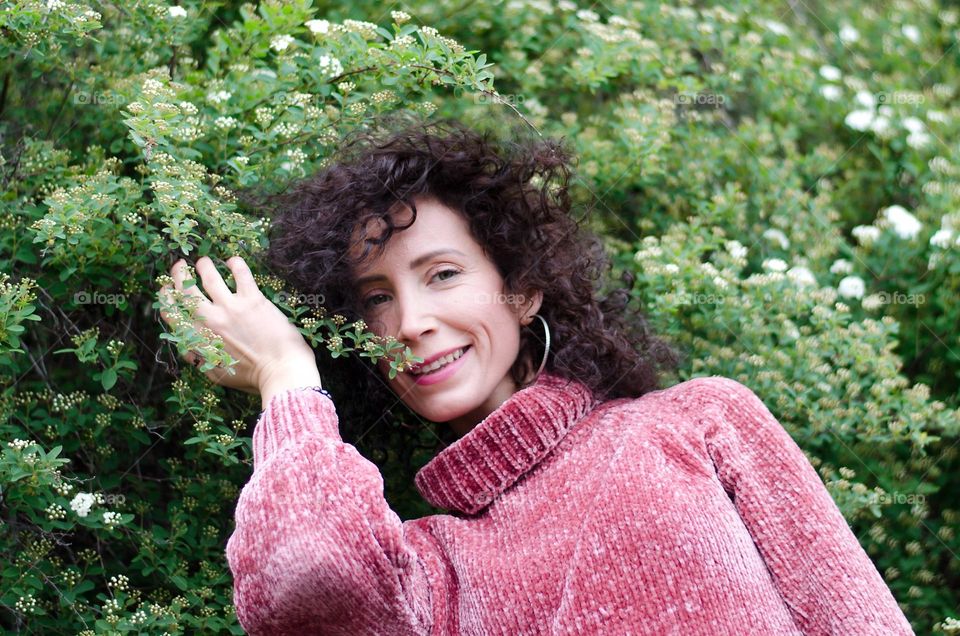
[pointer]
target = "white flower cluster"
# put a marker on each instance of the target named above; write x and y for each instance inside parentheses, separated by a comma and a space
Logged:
(383, 97)
(82, 503)
(26, 604)
(299, 99)
(55, 511)
(111, 518)
(851, 287)
(831, 92)
(872, 302)
(911, 32)
(318, 27)
(841, 266)
(88, 15)
(115, 347)
(119, 582)
(218, 97)
(865, 234)
(868, 116)
(177, 12)
(138, 618)
(297, 156)
(776, 27)
(774, 265)
(263, 116)
(918, 136)
(402, 42)
(20, 444)
(330, 65)
(736, 250)
(801, 276)
(904, 224)
(281, 42)
(287, 130)
(226, 123)
(778, 236)
(878, 121)
(848, 34)
(400, 17)
(189, 131)
(153, 88)
(942, 238)
(63, 488)
(367, 30)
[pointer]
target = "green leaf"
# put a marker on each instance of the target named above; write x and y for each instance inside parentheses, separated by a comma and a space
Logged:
(108, 379)
(67, 272)
(180, 582)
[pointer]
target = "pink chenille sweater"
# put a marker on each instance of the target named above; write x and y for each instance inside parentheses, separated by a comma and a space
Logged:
(689, 510)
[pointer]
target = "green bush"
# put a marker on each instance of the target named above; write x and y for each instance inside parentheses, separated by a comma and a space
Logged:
(782, 179)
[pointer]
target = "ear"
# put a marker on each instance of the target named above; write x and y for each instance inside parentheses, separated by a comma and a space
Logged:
(531, 307)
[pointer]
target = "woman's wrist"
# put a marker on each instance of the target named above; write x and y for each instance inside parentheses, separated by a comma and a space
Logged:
(302, 377)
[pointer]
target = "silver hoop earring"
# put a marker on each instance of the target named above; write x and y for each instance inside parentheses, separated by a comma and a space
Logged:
(546, 348)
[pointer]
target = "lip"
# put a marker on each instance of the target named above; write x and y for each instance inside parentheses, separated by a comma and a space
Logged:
(443, 373)
(437, 356)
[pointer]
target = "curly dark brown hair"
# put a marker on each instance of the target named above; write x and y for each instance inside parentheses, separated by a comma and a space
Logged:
(514, 194)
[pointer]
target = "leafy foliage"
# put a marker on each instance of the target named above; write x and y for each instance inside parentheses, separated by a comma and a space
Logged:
(780, 179)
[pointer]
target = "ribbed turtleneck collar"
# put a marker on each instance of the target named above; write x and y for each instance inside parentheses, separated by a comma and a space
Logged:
(470, 473)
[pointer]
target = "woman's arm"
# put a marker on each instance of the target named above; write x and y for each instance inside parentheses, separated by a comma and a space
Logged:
(823, 574)
(316, 548)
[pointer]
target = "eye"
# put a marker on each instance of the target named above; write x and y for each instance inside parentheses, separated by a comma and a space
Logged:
(369, 301)
(454, 272)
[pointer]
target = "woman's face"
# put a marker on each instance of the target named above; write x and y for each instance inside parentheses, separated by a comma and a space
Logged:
(435, 290)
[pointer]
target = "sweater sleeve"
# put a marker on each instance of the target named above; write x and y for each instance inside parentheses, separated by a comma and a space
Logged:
(316, 548)
(822, 572)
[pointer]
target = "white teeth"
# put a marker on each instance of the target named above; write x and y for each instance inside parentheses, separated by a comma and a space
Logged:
(433, 366)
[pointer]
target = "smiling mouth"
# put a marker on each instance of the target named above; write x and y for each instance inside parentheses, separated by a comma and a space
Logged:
(433, 367)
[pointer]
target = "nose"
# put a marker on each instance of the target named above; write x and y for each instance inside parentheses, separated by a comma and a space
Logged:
(416, 317)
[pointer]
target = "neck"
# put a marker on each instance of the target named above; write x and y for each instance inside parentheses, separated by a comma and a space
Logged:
(466, 422)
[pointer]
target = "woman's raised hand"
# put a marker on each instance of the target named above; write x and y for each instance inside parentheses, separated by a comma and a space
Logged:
(271, 353)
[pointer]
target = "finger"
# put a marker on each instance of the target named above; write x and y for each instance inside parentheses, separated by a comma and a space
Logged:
(179, 274)
(213, 283)
(168, 300)
(165, 299)
(242, 275)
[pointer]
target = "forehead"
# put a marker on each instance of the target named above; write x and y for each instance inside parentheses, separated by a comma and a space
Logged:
(436, 225)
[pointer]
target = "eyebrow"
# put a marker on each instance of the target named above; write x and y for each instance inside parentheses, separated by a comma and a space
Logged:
(415, 263)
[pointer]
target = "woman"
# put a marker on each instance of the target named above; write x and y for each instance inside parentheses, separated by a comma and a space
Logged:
(582, 498)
